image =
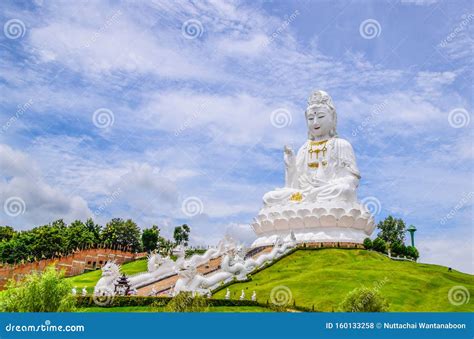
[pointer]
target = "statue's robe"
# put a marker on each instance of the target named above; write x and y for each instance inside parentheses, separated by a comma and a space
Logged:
(335, 179)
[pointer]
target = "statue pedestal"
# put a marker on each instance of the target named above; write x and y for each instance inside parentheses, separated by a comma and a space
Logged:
(313, 222)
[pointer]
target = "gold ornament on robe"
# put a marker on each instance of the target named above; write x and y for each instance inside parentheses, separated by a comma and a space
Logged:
(316, 147)
(296, 197)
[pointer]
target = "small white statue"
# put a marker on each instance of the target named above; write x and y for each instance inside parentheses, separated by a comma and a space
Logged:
(254, 296)
(227, 294)
(209, 295)
(153, 292)
(74, 290)
(84, 291)
(242, 295)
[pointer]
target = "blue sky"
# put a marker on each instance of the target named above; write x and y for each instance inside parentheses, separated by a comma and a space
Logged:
(162, 111)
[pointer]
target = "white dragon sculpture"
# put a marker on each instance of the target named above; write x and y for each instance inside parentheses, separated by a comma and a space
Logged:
(110, 274)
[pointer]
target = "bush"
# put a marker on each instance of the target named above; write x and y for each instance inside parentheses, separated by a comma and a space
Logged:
(412, 252)
(398, 249)
(364, 300)
(367, 243)
(39, 292)
(185, 302)
(379, 245)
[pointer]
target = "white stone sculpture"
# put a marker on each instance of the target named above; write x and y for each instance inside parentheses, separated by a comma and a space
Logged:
(190, 281)
(242, 295)
(84, 291)
(227, 294)
(319, 199)
(233, 266)
(254, 296)
(74, 291)
(110, 274)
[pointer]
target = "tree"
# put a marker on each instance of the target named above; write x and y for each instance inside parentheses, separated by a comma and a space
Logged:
(412, 252)
(122, 233)
(398, 249)
(364, 299)
(181, 234)
(379, 245)
(392, 230)
(367, 243)
(78, 236)
(165, 246)
(150, 238)
(6, 233)
(39, 292)
(95, 229)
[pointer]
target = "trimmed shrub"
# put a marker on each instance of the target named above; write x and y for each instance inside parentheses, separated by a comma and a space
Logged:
(185, 302)
(379, 245)
(412, 252)
(368, 244)
(364, 299)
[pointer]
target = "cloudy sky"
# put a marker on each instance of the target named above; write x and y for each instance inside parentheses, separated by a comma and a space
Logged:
(172, 112)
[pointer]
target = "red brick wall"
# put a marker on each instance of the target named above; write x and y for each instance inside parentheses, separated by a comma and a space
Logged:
(72, 264)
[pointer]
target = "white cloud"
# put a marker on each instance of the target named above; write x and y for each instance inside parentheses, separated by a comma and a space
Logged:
(42, 203)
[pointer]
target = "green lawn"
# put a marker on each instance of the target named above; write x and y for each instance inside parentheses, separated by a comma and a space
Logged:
(161, 309)
(90, 279)
(323, 278)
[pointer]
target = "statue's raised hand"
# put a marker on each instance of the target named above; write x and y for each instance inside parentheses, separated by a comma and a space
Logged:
(288, 156)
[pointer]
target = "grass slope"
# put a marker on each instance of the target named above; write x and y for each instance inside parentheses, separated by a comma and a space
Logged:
(90, 279)
(324, 277)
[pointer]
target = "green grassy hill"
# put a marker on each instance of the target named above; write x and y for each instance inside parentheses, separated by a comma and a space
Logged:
(323, 278)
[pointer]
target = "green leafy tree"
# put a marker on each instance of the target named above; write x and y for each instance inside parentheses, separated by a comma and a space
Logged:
(392, 230)
(49, 240)
(6, 233)
(95, 229)
(78, 236)
(397, 248)
(125, 234)
(38, 292)
(165, 246)
(150, 238)
(181, 234)
(412, 252)
(367, 243)
(185, 302)
(364, 299)
(379, 245)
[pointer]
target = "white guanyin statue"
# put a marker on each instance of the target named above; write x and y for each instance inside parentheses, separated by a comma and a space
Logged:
(319, 200)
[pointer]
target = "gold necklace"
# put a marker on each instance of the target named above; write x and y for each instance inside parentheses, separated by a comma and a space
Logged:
(317, 147)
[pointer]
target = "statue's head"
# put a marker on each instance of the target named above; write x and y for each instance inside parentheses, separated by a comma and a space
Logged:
(321, 116)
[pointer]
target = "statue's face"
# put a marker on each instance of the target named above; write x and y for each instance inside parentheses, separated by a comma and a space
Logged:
(320, 121)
